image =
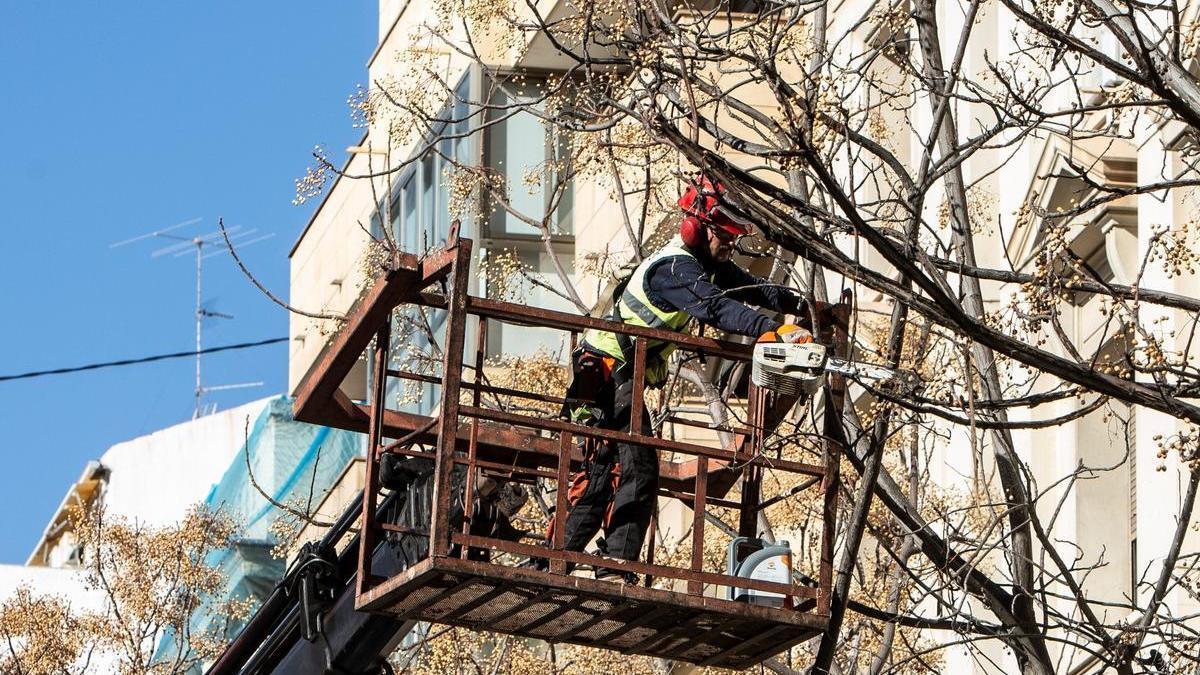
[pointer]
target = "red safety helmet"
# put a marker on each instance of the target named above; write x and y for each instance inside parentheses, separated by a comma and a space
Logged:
(709, 205)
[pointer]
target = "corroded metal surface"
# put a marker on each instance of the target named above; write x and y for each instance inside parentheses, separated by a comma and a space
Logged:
(466, 438)
(608, 615)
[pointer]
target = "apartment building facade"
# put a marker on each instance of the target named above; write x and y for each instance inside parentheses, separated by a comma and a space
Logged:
(1117, 511)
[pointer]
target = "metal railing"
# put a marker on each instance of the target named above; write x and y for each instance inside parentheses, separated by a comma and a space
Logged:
(524, 447)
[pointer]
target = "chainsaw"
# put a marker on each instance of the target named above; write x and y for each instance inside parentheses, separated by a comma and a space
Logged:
(798, 369)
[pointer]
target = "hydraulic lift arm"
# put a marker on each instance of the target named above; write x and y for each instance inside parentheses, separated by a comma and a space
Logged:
(317, 598)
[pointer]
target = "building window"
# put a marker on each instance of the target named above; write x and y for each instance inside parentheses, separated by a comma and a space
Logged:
(521, 147)
(420, 220)
(515, 145)
(533, 157)
(420, 207)
(508, 340)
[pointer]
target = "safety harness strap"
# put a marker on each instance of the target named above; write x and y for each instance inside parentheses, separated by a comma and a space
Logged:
(625, 342)
(639, 308)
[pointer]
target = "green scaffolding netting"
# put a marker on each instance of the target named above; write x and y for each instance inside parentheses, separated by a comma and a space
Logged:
(293, 462)
(281, 462)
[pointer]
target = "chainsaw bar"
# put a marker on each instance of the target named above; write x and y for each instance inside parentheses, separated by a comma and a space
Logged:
(854, 369)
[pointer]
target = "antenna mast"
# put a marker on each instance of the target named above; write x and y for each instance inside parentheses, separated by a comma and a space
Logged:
(198, 242)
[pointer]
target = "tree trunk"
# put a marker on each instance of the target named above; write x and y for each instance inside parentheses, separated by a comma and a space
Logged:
(1031, 650)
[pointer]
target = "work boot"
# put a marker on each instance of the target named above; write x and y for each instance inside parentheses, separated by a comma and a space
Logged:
(543, 565)
(609, 574)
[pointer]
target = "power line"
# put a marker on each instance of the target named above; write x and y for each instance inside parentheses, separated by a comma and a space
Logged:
(145, 359)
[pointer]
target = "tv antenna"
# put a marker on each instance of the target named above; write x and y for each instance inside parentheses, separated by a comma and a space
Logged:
(203, 246)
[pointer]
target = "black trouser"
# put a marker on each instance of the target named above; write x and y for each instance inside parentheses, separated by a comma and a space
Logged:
(637, 490)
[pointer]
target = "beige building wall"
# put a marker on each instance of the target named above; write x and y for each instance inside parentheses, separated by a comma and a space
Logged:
(327, 262)
(1101, 514)
(1122, 512)
(325, 268)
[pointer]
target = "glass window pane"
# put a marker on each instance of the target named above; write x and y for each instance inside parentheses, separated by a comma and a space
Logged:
(462, 124)
(396, 225)
(522, 341)
(494, 150)
(442, 131)
(443, 202)
(410, 239)
(516, 147)
(376, 230)
(563, 221)
(428, 194)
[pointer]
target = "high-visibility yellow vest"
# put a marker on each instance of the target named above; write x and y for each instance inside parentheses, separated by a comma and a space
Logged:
(634, 308)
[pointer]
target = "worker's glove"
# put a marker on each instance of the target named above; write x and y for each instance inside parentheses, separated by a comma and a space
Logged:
(788, 332)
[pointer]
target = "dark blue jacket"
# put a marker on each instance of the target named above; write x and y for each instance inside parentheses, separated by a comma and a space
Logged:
(682, 283)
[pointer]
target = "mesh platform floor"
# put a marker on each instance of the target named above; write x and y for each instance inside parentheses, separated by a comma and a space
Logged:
(608, 615)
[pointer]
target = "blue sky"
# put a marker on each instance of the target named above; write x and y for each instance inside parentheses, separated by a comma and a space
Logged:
(118, 118)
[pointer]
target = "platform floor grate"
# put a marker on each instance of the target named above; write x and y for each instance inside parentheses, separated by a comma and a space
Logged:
(577, 610)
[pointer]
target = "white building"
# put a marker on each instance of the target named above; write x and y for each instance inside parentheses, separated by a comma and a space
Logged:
(153, 479)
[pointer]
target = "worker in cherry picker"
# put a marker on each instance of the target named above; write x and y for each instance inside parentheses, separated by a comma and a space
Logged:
(692, 277)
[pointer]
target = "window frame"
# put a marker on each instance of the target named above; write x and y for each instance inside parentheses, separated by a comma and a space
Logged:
(490, 238)
(427, 230)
